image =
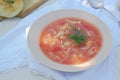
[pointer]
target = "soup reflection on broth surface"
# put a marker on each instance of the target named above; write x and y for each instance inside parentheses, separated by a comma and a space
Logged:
(70, 41)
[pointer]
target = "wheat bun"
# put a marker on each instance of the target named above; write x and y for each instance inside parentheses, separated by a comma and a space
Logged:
(10, 8)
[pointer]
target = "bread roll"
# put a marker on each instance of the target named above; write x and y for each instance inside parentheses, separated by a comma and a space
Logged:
(10, 8)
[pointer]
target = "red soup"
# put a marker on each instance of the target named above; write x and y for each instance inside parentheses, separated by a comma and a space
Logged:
(70, 41)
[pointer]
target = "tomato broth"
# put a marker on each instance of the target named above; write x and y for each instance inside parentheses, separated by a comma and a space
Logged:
(70, 41)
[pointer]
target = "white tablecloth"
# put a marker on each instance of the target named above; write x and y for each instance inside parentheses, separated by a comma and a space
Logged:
(14, 51)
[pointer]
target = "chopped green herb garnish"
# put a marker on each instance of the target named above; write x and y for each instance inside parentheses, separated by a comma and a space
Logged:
(78, 38)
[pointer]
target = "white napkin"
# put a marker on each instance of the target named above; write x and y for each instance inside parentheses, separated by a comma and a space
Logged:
(14, 51)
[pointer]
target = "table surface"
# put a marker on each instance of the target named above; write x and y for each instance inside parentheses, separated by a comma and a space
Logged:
(18, 74)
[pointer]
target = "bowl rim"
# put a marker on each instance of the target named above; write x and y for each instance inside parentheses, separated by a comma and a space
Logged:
(34, 33)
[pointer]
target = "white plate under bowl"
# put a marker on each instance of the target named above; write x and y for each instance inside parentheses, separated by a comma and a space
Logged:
(37, 27)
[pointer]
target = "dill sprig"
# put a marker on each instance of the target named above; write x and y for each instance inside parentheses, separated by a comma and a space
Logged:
(78, 36)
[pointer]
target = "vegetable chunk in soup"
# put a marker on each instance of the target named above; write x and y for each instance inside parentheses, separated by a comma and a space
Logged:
(70, 41)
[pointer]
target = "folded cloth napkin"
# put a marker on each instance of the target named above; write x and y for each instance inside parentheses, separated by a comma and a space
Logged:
(14, 51)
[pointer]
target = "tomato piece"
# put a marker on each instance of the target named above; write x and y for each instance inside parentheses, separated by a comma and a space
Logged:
(56, 48)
